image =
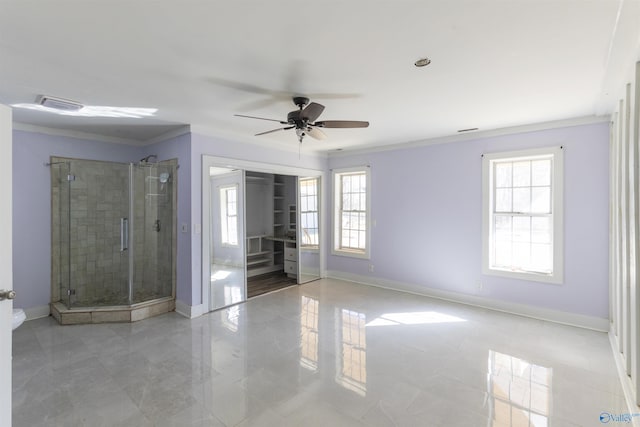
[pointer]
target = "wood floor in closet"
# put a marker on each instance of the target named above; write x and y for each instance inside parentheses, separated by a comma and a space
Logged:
(269, 282)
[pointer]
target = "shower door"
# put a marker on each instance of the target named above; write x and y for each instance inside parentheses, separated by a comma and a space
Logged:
(98, 215)
(152, 231)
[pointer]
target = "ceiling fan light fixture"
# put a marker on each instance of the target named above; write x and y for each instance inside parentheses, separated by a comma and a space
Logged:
(422, 62)
(59, 103)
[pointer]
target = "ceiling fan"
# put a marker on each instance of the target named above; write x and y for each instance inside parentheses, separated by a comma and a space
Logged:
(303, 120)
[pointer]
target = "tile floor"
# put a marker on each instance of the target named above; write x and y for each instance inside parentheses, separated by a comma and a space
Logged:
(328, 353)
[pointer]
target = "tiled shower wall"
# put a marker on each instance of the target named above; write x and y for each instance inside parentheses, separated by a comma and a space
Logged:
(86, 238)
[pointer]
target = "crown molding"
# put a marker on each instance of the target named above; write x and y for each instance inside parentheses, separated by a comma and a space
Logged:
(534, 127)
(74, 134)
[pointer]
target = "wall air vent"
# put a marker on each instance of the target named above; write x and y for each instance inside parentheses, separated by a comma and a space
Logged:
(58, 103)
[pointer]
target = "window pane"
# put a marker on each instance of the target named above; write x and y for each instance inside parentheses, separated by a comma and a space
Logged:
(304, 204)
(503, 228)
(503, 175)
(541, 257)
(362, 221)
(522, 174)
(541, 230)
(541, 172)
(233, 231)
(521, 255)
(503, 200)
(522, 200)
(346, 202)
(521, 229)
(353, 239)
(345, 221)
(541, 199)
(503, 254)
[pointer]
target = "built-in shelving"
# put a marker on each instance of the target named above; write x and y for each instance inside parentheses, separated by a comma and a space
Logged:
(259, 255)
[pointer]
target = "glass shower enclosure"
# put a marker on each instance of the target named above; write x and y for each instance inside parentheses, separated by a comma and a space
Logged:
(113, 232)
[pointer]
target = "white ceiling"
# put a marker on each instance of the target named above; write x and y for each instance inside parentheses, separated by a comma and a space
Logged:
(495, 64)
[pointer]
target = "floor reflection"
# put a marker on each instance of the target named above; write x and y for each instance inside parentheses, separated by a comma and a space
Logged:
(520, 392)
(227, 285)
(230, 317)
(309, 333)
(351, 351)
(413, 318)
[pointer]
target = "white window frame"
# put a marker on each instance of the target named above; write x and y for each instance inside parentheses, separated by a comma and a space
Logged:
(316, 212)
(557, 214)
(224, 215)
(336, 248)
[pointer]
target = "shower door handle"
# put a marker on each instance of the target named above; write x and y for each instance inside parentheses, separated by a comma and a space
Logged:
(124, 234)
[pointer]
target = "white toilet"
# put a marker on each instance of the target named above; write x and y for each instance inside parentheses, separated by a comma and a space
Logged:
(18, 317)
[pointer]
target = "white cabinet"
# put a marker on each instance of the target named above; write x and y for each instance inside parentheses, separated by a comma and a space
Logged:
(290, 254)
(291, 268)
(291, 260)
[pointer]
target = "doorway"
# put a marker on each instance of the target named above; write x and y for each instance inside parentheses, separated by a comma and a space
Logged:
(262, 229)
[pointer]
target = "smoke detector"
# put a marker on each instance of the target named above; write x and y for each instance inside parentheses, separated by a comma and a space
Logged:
(58, 103)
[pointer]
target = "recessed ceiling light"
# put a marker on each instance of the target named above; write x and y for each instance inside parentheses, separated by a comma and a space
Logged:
(422, 62)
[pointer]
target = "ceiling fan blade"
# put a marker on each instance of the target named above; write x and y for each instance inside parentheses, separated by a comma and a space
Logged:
(312, 111)
(274, 130)
(316, 133)
(260, 118)
(342, 124)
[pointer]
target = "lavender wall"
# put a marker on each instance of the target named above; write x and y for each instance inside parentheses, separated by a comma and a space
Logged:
(426, 202)
(32, 205)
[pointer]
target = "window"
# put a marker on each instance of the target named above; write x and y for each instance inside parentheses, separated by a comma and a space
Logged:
(352, 201)
(229, 215)
(522, 214)
(309, 212)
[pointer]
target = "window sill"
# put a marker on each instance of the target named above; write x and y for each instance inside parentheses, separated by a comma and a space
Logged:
(351, 253)
(554, 279)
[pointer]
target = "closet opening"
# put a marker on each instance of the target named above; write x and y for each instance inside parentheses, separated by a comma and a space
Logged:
(261, 229)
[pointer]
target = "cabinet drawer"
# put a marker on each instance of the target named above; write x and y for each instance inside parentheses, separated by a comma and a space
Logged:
(290, 254)
(291, 267)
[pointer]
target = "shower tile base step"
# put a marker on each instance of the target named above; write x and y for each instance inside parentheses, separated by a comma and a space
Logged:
(122, 313)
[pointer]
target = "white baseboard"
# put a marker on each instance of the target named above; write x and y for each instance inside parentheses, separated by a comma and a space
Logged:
(37, 312)
(571, 319)
(625, 380)
(189, 311)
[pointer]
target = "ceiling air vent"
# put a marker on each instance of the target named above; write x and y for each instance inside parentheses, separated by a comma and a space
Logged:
(58, 103)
